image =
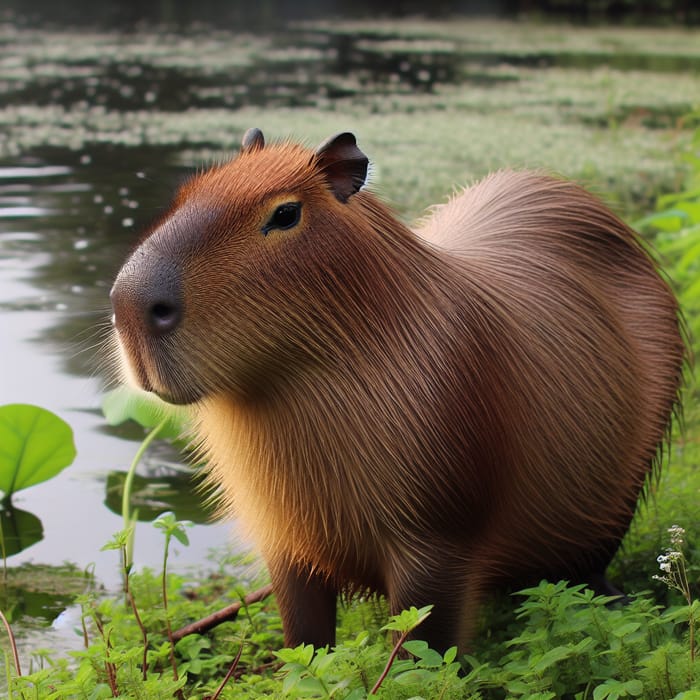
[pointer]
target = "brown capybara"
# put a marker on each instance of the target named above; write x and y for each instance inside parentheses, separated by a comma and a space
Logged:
(424, 414)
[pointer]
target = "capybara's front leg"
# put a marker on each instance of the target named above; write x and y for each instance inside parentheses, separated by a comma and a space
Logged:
(307, 605)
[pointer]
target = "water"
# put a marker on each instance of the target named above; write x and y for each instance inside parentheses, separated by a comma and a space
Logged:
(66, 222)
(98, 129)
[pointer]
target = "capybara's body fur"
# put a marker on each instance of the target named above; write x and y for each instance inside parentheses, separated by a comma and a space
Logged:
(425, 415)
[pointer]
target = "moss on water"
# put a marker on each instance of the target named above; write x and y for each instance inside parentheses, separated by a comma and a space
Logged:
(426, 130)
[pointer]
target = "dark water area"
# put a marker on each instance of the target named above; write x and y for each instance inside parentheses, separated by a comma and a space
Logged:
(270, 14)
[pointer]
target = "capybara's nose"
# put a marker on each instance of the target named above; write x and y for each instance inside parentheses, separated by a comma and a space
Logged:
(147, 296)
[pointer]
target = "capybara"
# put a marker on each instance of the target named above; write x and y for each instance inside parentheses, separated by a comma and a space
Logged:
(423, 414)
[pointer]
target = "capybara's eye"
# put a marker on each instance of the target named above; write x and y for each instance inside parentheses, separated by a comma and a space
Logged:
(285, 217)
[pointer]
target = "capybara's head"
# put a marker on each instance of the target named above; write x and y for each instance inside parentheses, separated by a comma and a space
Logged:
(222, 291)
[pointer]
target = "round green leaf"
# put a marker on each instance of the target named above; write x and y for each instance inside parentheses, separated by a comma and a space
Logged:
(125, 403)
(35, 445)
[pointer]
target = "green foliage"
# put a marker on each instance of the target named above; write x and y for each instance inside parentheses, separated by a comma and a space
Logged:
(35, 445)
(575, 643)
(568, 643)
(676, 225)
(125, 403)
(161, 420)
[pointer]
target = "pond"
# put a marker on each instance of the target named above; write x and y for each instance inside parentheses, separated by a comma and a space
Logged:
(97, 129)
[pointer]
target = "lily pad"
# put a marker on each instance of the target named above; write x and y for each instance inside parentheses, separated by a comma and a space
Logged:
(35, 445)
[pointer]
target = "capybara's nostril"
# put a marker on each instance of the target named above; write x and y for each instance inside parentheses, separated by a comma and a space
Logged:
(163, 317)
(147, 296)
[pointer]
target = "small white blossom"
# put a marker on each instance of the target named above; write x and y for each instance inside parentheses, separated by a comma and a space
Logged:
(677, 534)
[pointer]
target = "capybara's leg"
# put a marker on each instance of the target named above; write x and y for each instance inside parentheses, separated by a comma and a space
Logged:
(454, 594)
(307, 605)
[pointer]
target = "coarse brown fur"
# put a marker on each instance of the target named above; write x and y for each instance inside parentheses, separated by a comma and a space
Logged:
(425, 414)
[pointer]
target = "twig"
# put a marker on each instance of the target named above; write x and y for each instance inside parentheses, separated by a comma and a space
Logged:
(13, 643)
(230, 612)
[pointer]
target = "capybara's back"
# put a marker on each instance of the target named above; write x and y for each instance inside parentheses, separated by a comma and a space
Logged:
(593, 353)
(425, 415)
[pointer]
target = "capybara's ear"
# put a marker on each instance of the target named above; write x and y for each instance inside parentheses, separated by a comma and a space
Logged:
(343, 163)
(253, 140)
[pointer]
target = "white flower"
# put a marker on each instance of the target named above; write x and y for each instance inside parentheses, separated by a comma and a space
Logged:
(677, 534)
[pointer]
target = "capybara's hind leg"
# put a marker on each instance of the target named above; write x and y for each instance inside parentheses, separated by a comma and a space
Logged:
(455, 596)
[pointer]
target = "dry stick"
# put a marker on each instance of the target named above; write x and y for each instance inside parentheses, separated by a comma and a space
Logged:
(13, 643)
(226, 614)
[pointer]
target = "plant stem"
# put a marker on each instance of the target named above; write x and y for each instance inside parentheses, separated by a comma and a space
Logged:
(230, 672)
(144, 634)
(128, 483)
(2, 546)
(13, 643)
(169, 629)
(110, 667)
(390, 662)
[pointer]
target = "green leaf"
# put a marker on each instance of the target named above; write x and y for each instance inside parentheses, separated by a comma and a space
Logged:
(408, 619)
(429, 658)
(35, 445)
(415, 676)
(669, 220)
(551, 657)
(626, 629)
(450, 656)
(124, 403)
(172, 527)
(310, 687)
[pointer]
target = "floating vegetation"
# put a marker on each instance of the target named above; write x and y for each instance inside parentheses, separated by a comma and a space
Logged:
(456, 98)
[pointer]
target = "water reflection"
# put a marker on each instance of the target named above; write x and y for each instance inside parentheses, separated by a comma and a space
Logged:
(19, 529)
(82, 217)
(67, 220)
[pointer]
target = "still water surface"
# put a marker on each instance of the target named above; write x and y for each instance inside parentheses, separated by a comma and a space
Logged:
(66, 221)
